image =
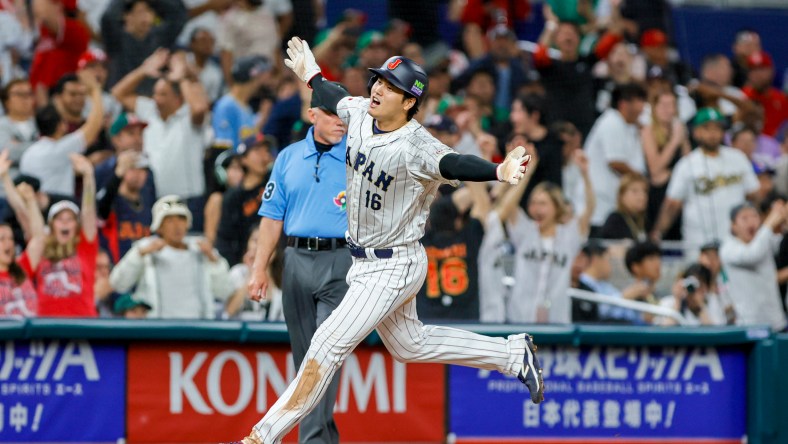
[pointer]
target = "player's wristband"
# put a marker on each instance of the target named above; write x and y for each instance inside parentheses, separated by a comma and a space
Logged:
(330, 93)
(312, 77)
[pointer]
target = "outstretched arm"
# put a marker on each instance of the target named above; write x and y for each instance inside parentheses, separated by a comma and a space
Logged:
(92, 126)
(35, 243)
(124, 90)
(191, 88)
(475, 169)
(584, 223)
(302, 62)
(87, 214)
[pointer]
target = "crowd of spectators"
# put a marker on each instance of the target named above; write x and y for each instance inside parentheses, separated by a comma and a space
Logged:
(137, 138)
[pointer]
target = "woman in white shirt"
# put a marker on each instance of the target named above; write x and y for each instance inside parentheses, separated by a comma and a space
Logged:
(546, 244)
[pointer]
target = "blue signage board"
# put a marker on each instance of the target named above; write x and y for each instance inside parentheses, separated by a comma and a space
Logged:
(597, 394)
(62, 391)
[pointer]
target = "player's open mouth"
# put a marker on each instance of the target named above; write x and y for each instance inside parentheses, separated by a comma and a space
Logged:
(375, 102)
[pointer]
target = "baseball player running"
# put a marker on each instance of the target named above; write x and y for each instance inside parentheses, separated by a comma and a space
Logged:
(394, 168)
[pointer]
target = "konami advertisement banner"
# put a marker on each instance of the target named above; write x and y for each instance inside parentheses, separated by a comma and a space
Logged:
(201, 393)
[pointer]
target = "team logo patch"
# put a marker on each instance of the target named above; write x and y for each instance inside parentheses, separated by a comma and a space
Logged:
(394, 64)
(341, 201)
(417, 88)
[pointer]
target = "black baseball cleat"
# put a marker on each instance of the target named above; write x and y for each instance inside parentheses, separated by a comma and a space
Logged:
(531, 374)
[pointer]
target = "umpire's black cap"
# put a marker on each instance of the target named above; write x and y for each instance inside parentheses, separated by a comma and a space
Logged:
(405, 74)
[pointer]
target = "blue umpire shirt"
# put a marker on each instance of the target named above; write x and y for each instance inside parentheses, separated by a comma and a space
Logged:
(293, 194)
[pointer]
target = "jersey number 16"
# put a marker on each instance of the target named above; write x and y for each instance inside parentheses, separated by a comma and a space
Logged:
(374, 200)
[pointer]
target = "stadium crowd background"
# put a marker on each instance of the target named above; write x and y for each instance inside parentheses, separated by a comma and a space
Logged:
(111, 105)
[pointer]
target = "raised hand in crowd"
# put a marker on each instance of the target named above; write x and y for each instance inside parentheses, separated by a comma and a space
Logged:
(584, 222)
(179, 67)
(193, 92)
(581, 160)
(126, 161)
(777, 215)
(82, 166)
(94, 123)
(88, 216)
(35, 234)
(88, 78)
(27, 192)
(153, 65)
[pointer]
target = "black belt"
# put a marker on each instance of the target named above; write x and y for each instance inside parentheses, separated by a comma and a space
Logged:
(316, 243)
(380, 253)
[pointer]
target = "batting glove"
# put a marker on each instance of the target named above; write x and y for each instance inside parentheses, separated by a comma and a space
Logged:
(301, 60)
(513, 167)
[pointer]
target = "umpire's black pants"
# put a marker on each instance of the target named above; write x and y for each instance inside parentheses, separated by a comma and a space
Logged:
(313, 284)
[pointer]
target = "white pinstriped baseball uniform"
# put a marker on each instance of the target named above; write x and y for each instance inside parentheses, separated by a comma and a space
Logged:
(391, 180)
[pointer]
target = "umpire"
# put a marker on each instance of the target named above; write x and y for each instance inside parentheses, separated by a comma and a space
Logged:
(306, 196)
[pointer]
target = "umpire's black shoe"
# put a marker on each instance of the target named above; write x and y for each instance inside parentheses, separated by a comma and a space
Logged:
(531, 374)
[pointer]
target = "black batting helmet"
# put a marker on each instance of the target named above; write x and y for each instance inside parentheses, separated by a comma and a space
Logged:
(403, 73)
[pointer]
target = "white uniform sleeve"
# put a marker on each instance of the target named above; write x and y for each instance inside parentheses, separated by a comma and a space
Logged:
(749, 180)
(680, 181)
(423, 159)
(352, 108)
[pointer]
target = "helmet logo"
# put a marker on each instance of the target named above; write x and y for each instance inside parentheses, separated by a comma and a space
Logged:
(394, 64)
(417, 88)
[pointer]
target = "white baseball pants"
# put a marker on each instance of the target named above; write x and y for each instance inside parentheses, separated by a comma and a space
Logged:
(382, 295)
